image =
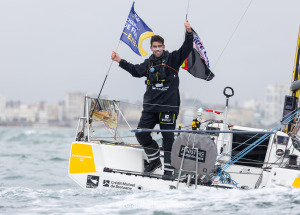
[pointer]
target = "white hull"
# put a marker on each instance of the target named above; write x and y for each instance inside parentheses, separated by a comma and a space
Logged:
(88, 160)
(130, 182)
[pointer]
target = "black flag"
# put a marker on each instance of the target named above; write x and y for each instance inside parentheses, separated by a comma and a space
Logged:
(197, 62)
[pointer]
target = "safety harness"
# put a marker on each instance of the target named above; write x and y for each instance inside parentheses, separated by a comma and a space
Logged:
(157, 78)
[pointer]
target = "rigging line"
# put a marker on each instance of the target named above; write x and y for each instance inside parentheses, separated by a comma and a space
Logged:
(226, 44)
(245, 151)
(137, 146)
(116, 131)
(183, 107)
(241, 154)
(161, 105)
(124, 118)
(232, 34)
(113, 137)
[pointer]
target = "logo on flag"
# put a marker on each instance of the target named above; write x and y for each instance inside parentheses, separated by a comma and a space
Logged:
(135, 31)
(197, 62)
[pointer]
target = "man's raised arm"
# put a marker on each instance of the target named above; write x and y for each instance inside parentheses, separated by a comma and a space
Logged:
(181, 54)
(138, 70)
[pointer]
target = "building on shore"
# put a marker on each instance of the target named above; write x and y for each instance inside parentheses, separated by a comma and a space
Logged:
(274, 101)
(74, 106)
(2, 109)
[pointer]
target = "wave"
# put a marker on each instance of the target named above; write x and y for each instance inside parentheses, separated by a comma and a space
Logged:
(58, 159)
(71, 200)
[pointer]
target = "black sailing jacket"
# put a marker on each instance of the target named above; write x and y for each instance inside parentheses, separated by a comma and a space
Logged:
(162, 98)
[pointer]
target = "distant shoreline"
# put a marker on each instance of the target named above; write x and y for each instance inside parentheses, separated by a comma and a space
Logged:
(41, 126)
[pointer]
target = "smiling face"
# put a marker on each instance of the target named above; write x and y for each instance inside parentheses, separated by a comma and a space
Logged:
(157, 48)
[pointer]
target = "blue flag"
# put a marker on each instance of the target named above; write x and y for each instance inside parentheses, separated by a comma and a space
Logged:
(135, 31)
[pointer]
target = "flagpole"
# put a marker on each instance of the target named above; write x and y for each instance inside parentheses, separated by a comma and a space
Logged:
(105, 79)
(108, 71)
(109, 68)
(186, 16)
(187, 10)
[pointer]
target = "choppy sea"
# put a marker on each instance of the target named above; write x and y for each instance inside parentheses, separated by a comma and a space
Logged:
(34, 180)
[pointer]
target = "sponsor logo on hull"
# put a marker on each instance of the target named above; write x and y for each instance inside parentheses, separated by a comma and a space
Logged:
(106, 183)
(118, 185)
(92, 181)
(82, 159)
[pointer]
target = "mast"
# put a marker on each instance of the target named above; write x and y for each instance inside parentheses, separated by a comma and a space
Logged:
(295, 90)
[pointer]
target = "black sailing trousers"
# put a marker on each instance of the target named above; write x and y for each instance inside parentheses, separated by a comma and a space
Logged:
(167, 121)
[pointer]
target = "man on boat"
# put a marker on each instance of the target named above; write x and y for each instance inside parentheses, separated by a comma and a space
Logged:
(161, 99)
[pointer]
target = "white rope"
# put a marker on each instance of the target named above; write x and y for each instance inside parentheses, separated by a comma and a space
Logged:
(233, 34)
(124, 118)
(194, 140)
(181, 106)
(196, 98)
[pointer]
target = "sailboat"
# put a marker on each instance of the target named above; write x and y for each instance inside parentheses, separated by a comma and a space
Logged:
(217, 156)
(101, 164)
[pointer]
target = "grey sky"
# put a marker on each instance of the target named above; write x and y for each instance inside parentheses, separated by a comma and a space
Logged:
(51, 47)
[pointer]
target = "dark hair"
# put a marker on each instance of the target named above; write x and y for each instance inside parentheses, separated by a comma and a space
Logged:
(157, 38)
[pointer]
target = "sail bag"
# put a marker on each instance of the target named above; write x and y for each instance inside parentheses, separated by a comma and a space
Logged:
(207, 153)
